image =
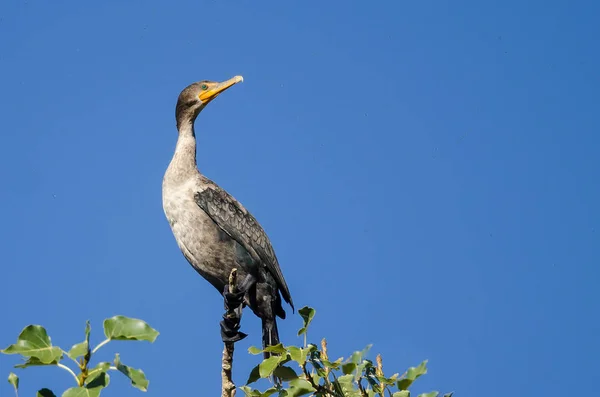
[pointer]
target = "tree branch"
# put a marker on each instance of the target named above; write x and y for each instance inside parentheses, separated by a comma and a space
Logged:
(322, 390)
(363, 392)
(227, 385)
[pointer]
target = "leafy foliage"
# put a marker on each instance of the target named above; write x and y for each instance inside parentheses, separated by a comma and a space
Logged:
(307, 314)
(124, 328)
(318, 376)
(35, 347)
(315, 373)
(137, 376)
(34, 341)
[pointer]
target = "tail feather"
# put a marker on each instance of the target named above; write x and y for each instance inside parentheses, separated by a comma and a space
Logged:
(270, 334)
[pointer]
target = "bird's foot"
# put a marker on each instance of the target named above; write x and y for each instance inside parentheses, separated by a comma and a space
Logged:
(232, 318)
(234, 303)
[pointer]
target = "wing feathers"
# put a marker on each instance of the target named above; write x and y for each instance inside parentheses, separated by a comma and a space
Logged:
(237, 222)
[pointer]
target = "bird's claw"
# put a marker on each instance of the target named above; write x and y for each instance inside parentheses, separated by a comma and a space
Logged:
(229, 331)
(232, 318)
(233, 300)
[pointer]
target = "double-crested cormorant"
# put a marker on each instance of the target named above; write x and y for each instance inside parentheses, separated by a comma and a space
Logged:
(213, 230)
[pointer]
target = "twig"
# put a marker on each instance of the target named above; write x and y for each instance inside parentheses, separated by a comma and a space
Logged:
(104, 342)
(227, 385)
(84, 364)
(319, 388)
(363, 392)
(68, 370)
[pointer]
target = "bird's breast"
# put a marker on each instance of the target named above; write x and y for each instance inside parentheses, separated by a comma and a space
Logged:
(204, 244)
(188, 222)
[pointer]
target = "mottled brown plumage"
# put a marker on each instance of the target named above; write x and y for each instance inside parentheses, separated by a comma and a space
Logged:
(213, 230)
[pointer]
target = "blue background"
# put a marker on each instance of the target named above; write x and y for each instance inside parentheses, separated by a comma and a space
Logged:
(427, 172)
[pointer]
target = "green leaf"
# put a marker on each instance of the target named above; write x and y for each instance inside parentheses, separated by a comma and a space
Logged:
(81, 392)
(77, 350)
(358, 356)
(277, 349)
(137, 376)
(402, 393)
(34, 341)
(332, 364)
(81, 349)
(411, 375)
(98, 382)
(88, 330)
(300, 387)
(449, 394)
(78, 392)
(346, 383)
(13, 379)
(316, 363)
(285, 373)
(45, 393)
(391, 381)
(92, 389)
(267, 367)
(254, 375)
(315, 377)
(430, 394)
(125, 328)
(99, 369)
(348, 368)
(256, 393)
(269, 392)
(307, 313)
(254, 350)
(365, 366)
(297, 354)
(33, 361)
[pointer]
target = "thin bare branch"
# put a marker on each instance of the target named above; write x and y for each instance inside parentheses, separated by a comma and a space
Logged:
(227, 385)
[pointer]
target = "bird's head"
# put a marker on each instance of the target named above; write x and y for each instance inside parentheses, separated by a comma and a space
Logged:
(197, 95)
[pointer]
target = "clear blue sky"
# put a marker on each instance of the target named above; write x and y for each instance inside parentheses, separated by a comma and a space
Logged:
(427, 172)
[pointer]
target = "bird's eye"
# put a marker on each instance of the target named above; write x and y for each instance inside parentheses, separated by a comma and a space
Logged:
(204, 87)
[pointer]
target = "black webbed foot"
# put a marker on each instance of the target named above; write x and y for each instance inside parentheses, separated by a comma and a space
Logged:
(234, 303)
(232, 318)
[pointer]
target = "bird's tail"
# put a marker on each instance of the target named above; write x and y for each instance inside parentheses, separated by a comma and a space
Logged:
(270, 334)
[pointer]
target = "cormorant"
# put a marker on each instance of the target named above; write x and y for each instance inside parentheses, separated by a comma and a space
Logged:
(214, 231)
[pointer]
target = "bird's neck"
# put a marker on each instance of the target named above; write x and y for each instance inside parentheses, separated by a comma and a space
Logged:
(184, 159)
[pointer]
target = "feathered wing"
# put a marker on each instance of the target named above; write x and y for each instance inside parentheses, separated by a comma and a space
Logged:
(231, 216)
